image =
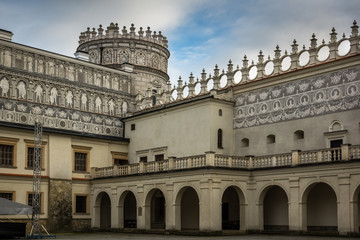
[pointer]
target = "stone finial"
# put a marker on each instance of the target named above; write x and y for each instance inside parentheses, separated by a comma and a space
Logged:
(230, 66)
(141, 32)
(93, 33)
(245, 62)
(148, 32)
(132, 28)
(203, 75)
(333, 35)
(180, 82)
(343, 36)
(294, 47)
(354, 29)
(277, 52)
(165, 41)
(124, 31)
(191, 79)
(216, 71)
(160, 36)
(260, 57)
(87, 33)
(154, 35)
(100, 30)
(313, 41)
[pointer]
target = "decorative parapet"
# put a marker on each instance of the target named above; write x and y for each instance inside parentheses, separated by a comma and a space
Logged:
(112, 32)
(280, 64)
(210, 159)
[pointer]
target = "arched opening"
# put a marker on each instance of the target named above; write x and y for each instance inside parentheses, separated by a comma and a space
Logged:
(276, 209)
(356, 210)
(270, 139)
(187, 209)
(299, 134)
(321, 208)
(157, 210)
(230, 210)
(105, 211)
(130, 210)
(245, 142)
(220, 138)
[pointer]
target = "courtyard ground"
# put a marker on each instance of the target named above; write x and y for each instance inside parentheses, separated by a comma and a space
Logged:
(126, 236)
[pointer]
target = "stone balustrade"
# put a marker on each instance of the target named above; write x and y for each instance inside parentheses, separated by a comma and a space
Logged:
(295, 60)
(345, 153)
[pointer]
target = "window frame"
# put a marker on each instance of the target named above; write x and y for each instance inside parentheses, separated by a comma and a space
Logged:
(10, 192)
(31, 144)
(10, 142)
(41, 201)
(82, 149)
(87, 207)
(220, 136)
(122, 156)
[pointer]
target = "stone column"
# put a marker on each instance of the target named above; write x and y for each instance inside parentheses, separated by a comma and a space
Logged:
(114, 208)
(169, 221)
(294, 205)
(140, 208)
(252, 209)
(344, 213)
(204, 206)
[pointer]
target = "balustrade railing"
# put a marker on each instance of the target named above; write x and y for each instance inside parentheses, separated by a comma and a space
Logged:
(344, 153)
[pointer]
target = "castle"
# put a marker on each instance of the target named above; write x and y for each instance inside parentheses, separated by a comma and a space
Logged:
(266, 146)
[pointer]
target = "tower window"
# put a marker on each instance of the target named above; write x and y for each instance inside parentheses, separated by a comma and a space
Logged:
(271, 139)
(219, 138)
(299, 134)
(220, 112)
(245, 142)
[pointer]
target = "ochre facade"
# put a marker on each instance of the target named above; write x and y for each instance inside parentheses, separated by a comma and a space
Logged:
(268, 146)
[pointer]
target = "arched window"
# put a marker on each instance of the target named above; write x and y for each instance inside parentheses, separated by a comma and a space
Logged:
(245, 142)
(220, 136)
(271, 139)
(335, 126)
(220, 112)
(299, 134)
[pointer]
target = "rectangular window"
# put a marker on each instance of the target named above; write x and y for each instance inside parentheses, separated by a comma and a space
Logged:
(143, 159)
(120, 158)
(81, 158)
(7, 195)
(120, 162)
(81, 203)
(30, 201)
(30, 152)
(80, 161)
(133, 127)
(159, 157)
(6, 155)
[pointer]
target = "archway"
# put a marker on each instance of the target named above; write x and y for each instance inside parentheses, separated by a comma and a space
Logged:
(129, 210)
(105, 211)
(356, 210)
(230, 210)
(321, 208)
(275, 209)
(157, 210)
(188, 201)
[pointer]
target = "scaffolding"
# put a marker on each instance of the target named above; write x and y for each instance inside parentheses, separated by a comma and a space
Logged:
(36, 227)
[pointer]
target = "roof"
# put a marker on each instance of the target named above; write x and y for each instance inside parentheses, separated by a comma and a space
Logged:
(8, 207)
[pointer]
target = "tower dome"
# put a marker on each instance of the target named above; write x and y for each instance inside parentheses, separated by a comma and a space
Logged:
(145, 52)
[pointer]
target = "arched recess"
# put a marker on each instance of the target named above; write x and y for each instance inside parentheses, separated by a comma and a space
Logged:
(155, 209)
(233, 209)
(275, 209)
(356, 210)
(103, 211)
(187, 213)
(319, 208)
(127, 210)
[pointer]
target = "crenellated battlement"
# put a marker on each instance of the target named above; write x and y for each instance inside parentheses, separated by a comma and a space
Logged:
(294, 60)
(113, 31)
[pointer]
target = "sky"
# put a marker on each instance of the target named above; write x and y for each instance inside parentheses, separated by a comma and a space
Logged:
(201, 33)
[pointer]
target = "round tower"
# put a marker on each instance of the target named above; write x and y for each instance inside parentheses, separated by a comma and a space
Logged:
(145, 53)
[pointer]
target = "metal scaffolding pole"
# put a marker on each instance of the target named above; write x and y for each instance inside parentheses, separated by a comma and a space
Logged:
(36, 194)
